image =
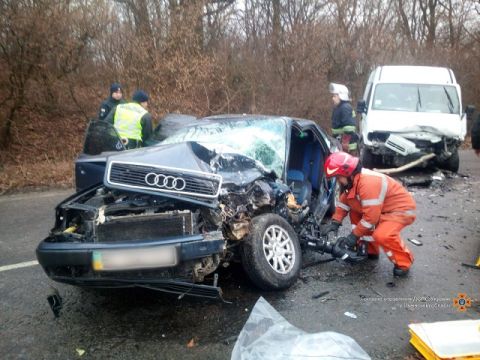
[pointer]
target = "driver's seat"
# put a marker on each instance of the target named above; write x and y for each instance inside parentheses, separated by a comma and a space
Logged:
(301, 187)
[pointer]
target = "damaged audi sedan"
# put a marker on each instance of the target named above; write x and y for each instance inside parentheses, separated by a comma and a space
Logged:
(221, 189)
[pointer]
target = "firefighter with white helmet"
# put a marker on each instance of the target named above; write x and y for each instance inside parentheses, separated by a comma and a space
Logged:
(343, 118)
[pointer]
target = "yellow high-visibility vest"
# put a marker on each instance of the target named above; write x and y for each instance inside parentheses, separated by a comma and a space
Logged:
(127, 120)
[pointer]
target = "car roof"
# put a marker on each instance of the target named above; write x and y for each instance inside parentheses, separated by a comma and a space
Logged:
(242, 117)
(415, 75)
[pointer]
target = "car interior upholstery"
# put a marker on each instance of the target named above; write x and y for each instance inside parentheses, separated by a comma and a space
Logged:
(304, 169)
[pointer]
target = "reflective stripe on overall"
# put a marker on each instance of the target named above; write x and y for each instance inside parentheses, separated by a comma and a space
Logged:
(347, 137)
(380, 207)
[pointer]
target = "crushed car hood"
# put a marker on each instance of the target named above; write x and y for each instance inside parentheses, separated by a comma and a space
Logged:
(234, 168)
(439, 124)
(175, 156)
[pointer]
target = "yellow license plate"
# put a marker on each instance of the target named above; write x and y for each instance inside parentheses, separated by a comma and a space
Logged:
(132, 259)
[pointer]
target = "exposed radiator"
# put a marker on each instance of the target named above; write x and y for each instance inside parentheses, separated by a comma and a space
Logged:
(145, 227)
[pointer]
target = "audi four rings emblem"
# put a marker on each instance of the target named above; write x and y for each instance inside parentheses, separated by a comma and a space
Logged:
(165, 181)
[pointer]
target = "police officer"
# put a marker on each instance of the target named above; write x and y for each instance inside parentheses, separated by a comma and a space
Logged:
(132, 120)
(116, 97)
(343, 118)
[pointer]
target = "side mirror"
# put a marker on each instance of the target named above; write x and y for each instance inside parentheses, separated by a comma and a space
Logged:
(361, 107)
(469, 110)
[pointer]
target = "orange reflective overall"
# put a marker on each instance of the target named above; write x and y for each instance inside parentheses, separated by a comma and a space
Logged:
(379, 209)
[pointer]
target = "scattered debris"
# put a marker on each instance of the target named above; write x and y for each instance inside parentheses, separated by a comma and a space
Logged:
(438, 176)
(415, 242)
(350, 315)
(55, 301)
(376, 292)
(318, 296)
(192, 343)
(267, 333)
(427, 180)
(317, 262)
(230, 339)
(80, 352)
(471, 266)
(417, 180)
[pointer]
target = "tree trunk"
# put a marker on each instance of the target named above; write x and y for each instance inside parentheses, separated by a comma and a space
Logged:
(276, 29)
(6, 131)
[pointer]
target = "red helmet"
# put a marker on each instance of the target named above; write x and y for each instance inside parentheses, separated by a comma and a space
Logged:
(340, 163)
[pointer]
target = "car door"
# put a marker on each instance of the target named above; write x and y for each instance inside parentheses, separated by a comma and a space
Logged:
(323, 146)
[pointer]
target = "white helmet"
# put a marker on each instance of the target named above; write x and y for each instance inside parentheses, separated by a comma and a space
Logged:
(339, 89)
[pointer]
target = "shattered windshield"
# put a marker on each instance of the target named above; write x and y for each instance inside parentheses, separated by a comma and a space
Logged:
(263, 140)
(416, 98)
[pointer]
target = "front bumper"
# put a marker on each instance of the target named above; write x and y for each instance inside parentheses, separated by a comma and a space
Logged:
(72, 262)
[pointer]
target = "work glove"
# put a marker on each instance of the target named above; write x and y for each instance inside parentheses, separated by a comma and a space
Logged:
(333, 226)
(347, 242)
(345, 248)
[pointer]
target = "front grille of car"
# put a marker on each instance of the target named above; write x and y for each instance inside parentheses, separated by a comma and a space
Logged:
(378, 136)
(423, 144)
(145, 227)
(162, 179)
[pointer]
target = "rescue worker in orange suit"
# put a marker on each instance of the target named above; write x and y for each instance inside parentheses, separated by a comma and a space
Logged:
(379, 208)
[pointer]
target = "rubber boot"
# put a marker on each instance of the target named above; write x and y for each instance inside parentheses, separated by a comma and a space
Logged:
(400, 272)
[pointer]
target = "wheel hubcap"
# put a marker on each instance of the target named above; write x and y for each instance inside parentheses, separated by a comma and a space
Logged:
(278, 249)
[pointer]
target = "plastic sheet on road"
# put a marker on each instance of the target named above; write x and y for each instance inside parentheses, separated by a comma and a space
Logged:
(267, 335)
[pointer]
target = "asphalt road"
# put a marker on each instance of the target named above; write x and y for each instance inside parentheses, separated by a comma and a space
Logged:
(149, 325)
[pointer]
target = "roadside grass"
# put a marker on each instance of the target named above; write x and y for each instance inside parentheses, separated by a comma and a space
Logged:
(41, 152)
(36, 176)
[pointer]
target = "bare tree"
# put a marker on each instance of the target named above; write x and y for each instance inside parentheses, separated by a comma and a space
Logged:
(213, 56)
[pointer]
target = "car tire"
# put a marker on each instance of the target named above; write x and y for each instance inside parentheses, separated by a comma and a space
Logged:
(368, 160)
(452, 163)
(271, 254)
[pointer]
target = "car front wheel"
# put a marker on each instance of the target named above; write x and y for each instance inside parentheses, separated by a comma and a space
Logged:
(368, 160)
(452, 163)
(271, 254)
